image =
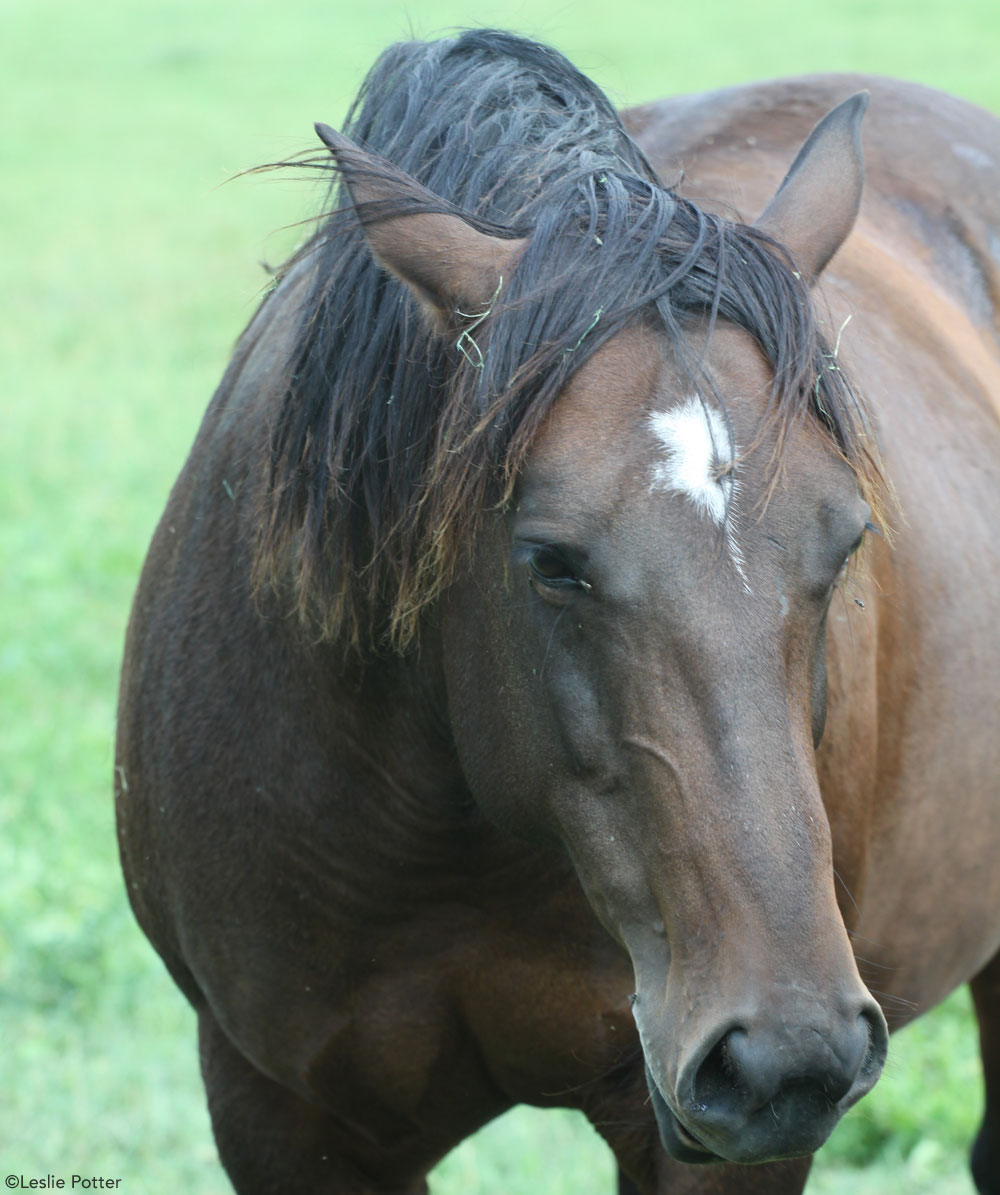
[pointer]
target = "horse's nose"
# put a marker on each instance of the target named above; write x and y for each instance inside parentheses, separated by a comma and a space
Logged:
(772, 1088)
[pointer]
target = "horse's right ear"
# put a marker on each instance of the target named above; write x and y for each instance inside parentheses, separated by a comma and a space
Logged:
(814, 209)
(449, 266)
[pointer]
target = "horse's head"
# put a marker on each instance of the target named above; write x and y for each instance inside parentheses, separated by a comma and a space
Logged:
(634, 660)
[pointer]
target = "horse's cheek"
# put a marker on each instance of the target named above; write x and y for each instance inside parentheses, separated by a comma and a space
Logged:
(501, 725)
(527, 709)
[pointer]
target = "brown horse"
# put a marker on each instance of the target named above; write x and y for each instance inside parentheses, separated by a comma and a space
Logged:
(502, 716)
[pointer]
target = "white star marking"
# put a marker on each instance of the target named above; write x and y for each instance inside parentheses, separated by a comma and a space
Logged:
(699, 448)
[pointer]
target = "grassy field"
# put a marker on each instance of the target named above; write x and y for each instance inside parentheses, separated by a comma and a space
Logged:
(128, 273)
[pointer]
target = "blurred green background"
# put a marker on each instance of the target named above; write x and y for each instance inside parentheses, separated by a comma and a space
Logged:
(127, 273)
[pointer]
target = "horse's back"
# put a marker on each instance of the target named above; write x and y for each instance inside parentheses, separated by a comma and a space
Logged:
(932, 164)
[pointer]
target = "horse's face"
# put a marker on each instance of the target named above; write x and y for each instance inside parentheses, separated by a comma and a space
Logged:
(635, 668)
(634, 665)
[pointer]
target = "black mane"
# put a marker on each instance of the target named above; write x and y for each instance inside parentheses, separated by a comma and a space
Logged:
(392, 440)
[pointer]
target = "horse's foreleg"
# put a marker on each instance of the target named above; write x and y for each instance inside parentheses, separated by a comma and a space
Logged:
(986, 1150)
(270, 1141)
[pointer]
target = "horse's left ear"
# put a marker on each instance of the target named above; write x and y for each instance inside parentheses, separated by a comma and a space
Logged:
(451, 267)
(814, 209)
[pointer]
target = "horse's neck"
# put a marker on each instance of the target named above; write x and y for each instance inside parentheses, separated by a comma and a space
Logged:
(400, 794)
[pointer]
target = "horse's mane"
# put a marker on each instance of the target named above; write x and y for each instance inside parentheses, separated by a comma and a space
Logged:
(391, 440)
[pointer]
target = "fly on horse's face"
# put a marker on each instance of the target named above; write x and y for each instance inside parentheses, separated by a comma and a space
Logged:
(650, 611)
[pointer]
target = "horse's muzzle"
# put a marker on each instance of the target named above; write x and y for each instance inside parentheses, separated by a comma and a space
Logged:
(754, 1095)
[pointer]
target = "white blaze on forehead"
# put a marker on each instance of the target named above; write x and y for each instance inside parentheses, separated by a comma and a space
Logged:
(699, 448)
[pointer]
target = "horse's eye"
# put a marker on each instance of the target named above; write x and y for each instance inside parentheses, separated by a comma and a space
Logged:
(855, 547)
(550, 569)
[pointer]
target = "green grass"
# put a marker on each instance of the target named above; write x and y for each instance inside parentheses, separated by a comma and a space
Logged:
(128, 271)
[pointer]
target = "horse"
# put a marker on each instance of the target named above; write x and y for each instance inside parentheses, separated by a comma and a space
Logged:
(565, 669)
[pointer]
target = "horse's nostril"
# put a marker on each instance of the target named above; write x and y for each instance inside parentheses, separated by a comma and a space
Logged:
(718, 1081)
(876, 1048)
